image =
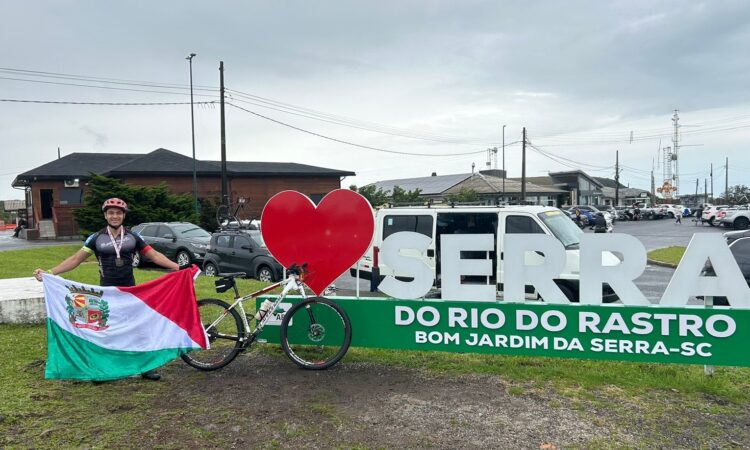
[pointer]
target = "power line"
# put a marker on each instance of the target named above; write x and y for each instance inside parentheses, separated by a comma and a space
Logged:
(37, 73)
(10, 100)
(104, 87)
(341, 141)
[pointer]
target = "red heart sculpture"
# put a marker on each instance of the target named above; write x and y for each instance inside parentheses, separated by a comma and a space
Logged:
(329, 238)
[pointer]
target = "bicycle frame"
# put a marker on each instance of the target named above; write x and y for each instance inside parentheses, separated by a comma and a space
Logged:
(291, 283)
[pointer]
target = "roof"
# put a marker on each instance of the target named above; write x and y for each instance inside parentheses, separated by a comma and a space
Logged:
(488, 184)
(161, 162)
(568, 173)
(427, 185)
(608, 182)
(11, 205)
(625, 192)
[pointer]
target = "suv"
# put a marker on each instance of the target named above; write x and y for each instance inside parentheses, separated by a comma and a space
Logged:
(737, 217)
(241, 251)
(709, 214)
(182, 242)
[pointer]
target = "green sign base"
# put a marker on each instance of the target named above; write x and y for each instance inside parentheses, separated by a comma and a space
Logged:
(686, 335)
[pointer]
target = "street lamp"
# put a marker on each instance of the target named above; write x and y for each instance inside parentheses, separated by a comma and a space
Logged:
(503, 161)
(192, 130)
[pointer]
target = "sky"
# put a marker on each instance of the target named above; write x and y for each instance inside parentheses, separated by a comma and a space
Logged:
(389, 89)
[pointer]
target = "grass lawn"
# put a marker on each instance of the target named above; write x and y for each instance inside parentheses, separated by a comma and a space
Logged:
(35, 412)
(667, 255)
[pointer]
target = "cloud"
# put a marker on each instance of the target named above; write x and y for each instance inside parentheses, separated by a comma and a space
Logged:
(100, 140)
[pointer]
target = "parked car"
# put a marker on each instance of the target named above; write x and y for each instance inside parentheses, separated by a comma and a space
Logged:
(737, 217)
(740, 249)
(731, 236)
(591, 211)
(182, 242)
(241, 251)
(673, 211)
(709, 214)
(623, 213)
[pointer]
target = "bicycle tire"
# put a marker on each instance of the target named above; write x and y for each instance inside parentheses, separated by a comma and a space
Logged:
(316, 333)
(224, 343)
(222, 215)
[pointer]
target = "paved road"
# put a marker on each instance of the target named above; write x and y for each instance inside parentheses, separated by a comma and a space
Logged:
(8, 242)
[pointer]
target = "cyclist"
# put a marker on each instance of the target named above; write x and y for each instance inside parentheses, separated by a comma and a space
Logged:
(114, 247)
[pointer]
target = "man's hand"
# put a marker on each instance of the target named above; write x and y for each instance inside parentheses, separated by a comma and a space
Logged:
(38, 274)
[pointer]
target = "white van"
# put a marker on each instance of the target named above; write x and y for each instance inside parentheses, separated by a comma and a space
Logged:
(499, 221)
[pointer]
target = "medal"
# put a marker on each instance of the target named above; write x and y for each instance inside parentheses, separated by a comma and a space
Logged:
(118, 261)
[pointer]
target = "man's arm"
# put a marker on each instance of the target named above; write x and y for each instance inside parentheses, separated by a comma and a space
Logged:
(66, 266)
(160, 259)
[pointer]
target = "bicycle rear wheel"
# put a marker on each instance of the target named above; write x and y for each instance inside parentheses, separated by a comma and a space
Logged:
(316, 333)
(223, 336)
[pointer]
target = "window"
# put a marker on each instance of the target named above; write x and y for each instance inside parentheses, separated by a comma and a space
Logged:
(71, 196)
(522, 224)
(164, 231)
(149, 230)
(239, 241)
(223, 241)
(419, 224)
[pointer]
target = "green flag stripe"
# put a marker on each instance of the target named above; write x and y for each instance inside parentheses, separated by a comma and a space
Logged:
(70, 357)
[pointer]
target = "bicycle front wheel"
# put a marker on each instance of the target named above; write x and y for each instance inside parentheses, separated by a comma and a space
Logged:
(316, 333)
(224, 328)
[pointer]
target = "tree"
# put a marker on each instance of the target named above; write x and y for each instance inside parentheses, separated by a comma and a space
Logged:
(738, 194)
(374, 195)
(400, 195)
(146, 204)
(465, 195)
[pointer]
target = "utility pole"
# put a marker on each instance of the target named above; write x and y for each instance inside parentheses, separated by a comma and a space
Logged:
(705, 191)
(523, 168)
(504, 162)
(676, 149)
(617, 178)
(58, 152)
(224, 193)
(696, 189)
(192, 132)
(711, 174)
(726, 182)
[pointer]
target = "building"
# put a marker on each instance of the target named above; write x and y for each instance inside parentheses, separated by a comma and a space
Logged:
(488, 184)
(55, 189)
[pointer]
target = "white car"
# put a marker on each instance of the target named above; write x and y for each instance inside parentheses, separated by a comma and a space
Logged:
(709, 214)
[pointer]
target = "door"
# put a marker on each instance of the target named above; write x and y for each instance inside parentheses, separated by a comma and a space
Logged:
(518, 223)
(244, 253)
(223, 250)
(47, 203)
(164, 241)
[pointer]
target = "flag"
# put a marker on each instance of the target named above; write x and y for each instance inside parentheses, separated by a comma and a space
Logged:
(105, 333)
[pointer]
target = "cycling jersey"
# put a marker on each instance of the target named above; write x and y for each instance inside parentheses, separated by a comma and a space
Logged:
(111, 272)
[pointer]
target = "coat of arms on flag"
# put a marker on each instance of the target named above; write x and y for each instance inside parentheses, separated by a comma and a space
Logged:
(106, 333)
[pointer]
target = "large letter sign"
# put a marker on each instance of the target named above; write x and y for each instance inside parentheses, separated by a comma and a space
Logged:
(517, 274)
(454, 267)
(594, 249)
(687, 281)
(393, 254)
(469, 317)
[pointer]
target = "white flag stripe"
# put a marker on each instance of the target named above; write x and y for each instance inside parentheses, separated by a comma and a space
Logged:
(132, 324)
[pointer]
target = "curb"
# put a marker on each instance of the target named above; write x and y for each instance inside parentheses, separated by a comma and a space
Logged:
(660, 263)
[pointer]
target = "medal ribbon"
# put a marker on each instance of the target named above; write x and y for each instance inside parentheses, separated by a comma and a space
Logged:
(114, 244)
